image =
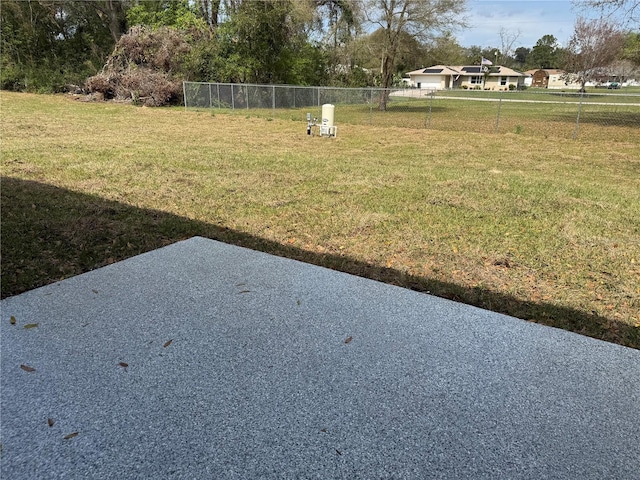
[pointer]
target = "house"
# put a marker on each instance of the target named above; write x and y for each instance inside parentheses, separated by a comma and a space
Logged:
(443, 77)
(551, 78)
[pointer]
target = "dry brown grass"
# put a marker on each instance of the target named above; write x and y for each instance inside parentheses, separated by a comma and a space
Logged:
(546, 231)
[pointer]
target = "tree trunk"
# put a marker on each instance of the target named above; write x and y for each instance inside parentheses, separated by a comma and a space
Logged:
(387, 78)
(209, 11)
(110, 12)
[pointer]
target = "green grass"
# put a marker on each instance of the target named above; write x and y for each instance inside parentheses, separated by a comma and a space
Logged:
(545, 230)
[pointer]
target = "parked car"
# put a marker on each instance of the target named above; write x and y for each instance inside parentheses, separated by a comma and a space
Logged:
(614, 85)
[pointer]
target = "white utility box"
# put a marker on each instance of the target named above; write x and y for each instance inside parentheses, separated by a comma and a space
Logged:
(327, 127)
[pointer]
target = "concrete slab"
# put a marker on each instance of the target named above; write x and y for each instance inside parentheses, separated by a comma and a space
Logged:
(205, 360)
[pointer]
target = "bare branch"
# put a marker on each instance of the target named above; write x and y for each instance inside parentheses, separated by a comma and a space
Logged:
(507, 40)
(593, 47)
(626, 9)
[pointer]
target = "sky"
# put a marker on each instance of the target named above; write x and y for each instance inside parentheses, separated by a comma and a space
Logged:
(532, 19)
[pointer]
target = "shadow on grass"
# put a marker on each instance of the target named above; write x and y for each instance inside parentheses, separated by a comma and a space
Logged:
(608, 119)
(49, 234)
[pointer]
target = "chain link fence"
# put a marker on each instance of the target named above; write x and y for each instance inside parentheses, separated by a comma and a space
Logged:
(548, 113)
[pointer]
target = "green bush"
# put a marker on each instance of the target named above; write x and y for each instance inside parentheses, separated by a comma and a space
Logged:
(12, 78)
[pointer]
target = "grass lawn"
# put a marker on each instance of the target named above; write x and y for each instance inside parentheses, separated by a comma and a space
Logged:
(623, 95)
(547, 230)
(604, 117)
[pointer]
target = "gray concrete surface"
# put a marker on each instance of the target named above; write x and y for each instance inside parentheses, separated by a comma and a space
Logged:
(259, 381)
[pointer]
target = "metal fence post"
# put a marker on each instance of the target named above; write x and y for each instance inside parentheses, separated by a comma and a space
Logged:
(575, 131)
(370, 105)
(430, 109)
(273, 97)
(233, 99)
(218, 88)
(246, 95)
(498, 116)
(184, 94)
(210, 100)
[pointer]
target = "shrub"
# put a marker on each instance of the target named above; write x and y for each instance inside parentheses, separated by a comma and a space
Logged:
(11, 78)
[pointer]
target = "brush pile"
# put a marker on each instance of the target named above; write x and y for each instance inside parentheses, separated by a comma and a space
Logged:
(142, 68)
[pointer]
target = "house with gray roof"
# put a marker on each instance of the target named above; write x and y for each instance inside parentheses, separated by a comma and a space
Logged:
(474, 77)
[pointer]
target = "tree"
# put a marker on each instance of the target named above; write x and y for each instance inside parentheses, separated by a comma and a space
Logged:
(266, 42)
(522, 56)
(180, 14)
(342, 20)
(623, 70)
(545, 53)
(507, 40)
(409, 54)
(631, 49)
(339, 23)
(444, 50)
(593, 47)
(47, 45)
(418, 18)
(112, 12)
(475, 53)
(209, 10)
(627, 9)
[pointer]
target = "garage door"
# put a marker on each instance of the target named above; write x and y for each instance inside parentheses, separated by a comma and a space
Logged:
(429, 83)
